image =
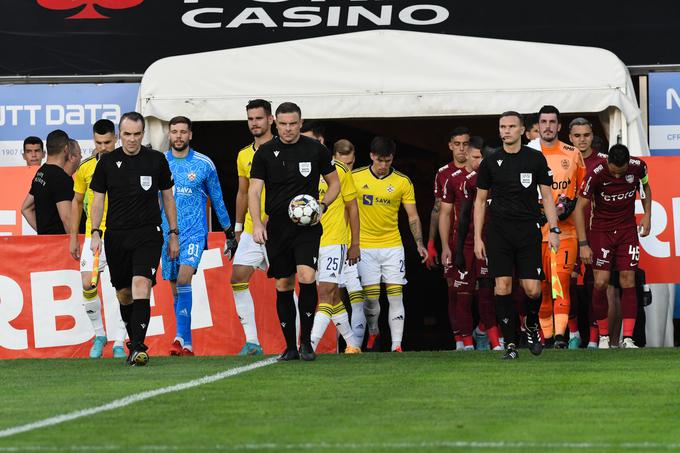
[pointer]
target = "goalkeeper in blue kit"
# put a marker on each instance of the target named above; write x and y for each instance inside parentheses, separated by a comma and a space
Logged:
(195, 179)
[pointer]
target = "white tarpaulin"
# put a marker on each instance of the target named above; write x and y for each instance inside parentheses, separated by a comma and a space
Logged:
(388, 74)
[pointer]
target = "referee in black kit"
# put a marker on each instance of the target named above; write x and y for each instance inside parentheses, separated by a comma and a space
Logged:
(513, 234)
(131, 176)
(286, 166)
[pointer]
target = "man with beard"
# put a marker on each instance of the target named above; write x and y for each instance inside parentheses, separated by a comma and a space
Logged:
(195, 178)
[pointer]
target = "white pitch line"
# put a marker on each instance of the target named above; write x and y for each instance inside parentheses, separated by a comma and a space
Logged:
(117, 404)
(367, 446)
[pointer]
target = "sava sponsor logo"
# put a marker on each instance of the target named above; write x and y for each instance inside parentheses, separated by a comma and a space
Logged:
(184, 190)
(378, 13)
(618, 196)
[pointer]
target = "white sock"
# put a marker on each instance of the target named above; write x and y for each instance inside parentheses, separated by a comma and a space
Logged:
(341, 321)
(574, 334)
(460, 345)
(245, 308)
(396, 314)
(323, 315)
(358, 321)
(121, 333)
(93, 308)
(372, 308)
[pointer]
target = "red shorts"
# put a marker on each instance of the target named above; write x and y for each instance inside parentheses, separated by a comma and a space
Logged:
(617, 250)
(464, 280)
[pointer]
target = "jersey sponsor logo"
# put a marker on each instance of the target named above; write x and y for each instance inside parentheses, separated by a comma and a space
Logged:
(145, 182)
(368, 200)
(598, 169)
(565, 164)
(630, 179)
(634, 161)
(305, 168)
(525, 179)
(618, 196)
(182, 190)
(119, 163)
(561, 185)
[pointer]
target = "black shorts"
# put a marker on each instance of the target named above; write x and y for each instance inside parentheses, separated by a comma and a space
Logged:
(289, 245)
(131, 253)
(514, 245)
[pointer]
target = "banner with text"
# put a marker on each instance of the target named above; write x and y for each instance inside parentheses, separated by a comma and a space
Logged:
(42, 316)
(664, 113)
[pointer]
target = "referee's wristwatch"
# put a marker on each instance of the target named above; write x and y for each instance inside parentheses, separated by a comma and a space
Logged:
(174, 231)
(555, 230)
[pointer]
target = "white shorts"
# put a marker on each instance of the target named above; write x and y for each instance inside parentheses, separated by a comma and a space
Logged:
(350, 278)
(330, 264)
(384, 265)
(87, 258)
(250, 253)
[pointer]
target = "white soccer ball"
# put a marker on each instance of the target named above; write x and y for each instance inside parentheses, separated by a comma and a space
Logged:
(304, 210)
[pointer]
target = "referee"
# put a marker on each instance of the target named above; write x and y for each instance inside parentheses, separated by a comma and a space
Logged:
(131, 176)
(512, 174)
(289, 165)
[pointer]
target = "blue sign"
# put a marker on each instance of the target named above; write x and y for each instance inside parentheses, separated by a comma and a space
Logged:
(664, 113)
(39, 109)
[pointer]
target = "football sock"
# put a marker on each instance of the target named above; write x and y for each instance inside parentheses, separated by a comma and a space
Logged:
(533, 307)
(126, 317)
(487, 313)
(453, 293)
(121, 333)
(507, 317)
(356, 299)
(600, 304)
(183, 313)
(593, 333)
(492, 332)
(464, 313)
(323, 315)
(141, 315)
(245, 308)
(603, 326)
(573, 328)
(285, 308)
(309, 297)
(93, 308)
(341, 320)
(372, 308)
(628, 310)
(545, 315)
(396, 314)
(467, 340)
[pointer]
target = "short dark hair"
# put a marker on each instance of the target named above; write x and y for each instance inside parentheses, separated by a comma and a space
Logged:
(531, 120)
(580, 121)
(315, 127)
(132, 116)
(515, 114)
(73, 145)
(56, 141)
(383, 146)
(289, 107)
(33, 140)
(103, 127)
(460, 130)
(548, 109)
(477, 142)
(180, 120)
(343, 147)
(259, 103)
(618, 155)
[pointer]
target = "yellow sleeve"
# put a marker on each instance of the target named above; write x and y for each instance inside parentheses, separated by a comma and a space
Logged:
(347, 188)
(408, 194)
(79, 184)
(242, 165)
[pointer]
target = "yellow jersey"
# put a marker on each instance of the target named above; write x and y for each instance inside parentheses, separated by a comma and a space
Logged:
(335, 224)
(81, 185)
(379, 200)
(243, 163)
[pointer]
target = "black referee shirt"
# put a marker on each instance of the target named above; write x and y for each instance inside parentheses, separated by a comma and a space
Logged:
(290, 170)
(50, 186)
(132, 184)
(513, 180)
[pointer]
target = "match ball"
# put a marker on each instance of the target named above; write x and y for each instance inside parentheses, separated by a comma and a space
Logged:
(304, 210)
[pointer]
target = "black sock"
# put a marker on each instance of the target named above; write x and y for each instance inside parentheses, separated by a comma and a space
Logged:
(141, 315)
(285, 307)
(533, 307)
(126, 316)
(506, 313)
(309, 297)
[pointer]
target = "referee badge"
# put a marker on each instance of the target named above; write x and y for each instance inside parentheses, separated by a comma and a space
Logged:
(305, 168)
(145, 182)
(525, 179)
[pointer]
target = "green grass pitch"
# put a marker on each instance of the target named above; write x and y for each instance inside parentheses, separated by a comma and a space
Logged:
(420, 401)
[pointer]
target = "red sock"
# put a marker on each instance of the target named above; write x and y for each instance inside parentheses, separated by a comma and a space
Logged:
(464, 313)
(593, 333)
(458, 338)
(603, 326)
(600, 304)
(452, 308)
(573, 325)
(467, 340)
(481, 327)
(492, 332)
(628, 327)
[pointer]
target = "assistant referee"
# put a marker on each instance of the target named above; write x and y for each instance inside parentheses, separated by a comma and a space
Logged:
(512, 174)
(132, 175)
(289, 165)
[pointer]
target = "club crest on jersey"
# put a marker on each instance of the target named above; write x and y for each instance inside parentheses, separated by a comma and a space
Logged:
(525, 179)
(565, 164)
(191, 176)
(145, 182)
(390, 188)
(305, 168)
(630, 179)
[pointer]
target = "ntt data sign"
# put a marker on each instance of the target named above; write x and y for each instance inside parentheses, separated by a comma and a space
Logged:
(39, 109)
(664, 113)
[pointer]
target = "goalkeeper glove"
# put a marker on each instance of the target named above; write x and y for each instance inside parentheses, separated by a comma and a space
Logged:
(231, 243)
